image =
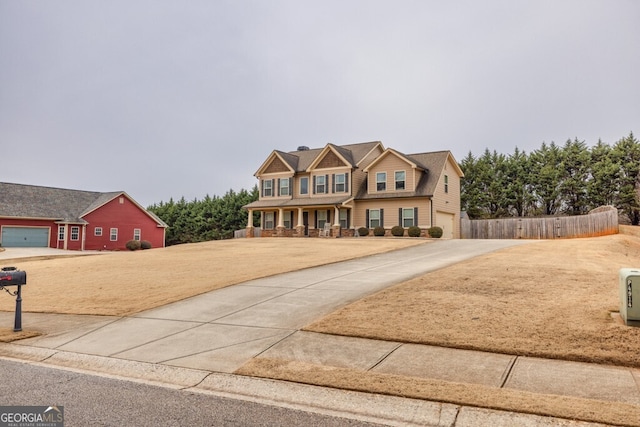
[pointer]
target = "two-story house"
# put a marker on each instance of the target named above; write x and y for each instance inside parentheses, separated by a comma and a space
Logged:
(342, 188)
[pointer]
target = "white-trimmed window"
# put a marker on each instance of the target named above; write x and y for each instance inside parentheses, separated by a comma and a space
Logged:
(344, 218)
(97, 231)
(113, 234)
(321, 184)
(269, 220)
(341, 181)
(304, 185)
(267, 188)
(381, 181)
(408, 217)
(75, 233)
(446, 183)
(321, 218)
(61, 232)
(374, 218)
(136, 233)
(284, 187)
(400, 180)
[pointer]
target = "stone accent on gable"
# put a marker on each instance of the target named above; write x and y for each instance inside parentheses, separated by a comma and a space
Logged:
(330, 160)
(276, 166)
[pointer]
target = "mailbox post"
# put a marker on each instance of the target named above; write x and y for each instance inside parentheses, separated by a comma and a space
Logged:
(11, 276)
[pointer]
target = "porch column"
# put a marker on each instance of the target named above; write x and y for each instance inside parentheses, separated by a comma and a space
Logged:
(335, 228)
(250, 219)
(249, 229)
(300, 227)
(280, 217)
(300, 223)
(66, 237)
(280, 227)
(84, 236)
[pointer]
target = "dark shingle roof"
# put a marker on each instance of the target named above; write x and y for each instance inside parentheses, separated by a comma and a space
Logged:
(30, 201)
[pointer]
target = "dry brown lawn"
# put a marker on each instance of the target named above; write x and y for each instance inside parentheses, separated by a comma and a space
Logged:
(554, 299)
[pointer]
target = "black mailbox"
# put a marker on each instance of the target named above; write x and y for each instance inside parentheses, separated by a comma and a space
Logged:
(10, 276)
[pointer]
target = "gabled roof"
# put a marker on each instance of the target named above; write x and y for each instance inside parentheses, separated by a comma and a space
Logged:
(58, 204)
(343, 153)
(301, 160)
(432, 163)
(391, 152)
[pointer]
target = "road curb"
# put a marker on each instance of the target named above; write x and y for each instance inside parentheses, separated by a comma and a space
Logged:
(388, 410)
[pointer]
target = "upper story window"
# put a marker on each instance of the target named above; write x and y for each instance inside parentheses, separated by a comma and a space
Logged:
(321, 184)
(446, 183)
(304, 185)
(400, 180)
(267, 188)
(341, 183)
(284, 187)
(381, 181)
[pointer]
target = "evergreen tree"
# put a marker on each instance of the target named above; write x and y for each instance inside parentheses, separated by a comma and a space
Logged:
(604, 182)
(627, 151)
(545, 178)
(574, 173)
(517, 192)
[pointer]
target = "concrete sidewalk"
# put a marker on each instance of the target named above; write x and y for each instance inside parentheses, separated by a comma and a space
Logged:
(197, 342)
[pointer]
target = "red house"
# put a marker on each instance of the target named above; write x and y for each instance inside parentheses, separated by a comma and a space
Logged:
(34, 216)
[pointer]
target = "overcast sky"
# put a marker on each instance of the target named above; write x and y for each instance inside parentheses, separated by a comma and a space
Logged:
(176, 98)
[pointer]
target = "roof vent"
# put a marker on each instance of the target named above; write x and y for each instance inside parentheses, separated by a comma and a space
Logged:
(303, 148)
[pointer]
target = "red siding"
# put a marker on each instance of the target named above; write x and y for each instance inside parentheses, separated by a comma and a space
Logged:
(126, 217)
(53, 234)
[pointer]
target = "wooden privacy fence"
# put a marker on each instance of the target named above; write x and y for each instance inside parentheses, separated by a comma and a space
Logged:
(599, 222)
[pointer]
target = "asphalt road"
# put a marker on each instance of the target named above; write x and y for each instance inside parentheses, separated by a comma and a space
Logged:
(99, 401)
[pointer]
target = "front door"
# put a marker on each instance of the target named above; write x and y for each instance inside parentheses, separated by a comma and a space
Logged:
(305, 222)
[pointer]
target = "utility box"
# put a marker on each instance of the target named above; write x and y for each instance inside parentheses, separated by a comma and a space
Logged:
(630, 294)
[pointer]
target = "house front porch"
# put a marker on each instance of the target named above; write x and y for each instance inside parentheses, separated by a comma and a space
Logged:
(302, 221)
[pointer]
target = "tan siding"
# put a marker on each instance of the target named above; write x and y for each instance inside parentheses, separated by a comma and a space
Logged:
(370, 157)
(391, 207)
(358, 178)
(448, 202)
(390, 164)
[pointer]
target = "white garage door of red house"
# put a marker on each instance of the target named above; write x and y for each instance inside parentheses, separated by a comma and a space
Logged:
(25, 237)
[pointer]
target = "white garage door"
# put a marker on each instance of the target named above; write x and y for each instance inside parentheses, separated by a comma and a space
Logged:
(445, 221)
(25, 237)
